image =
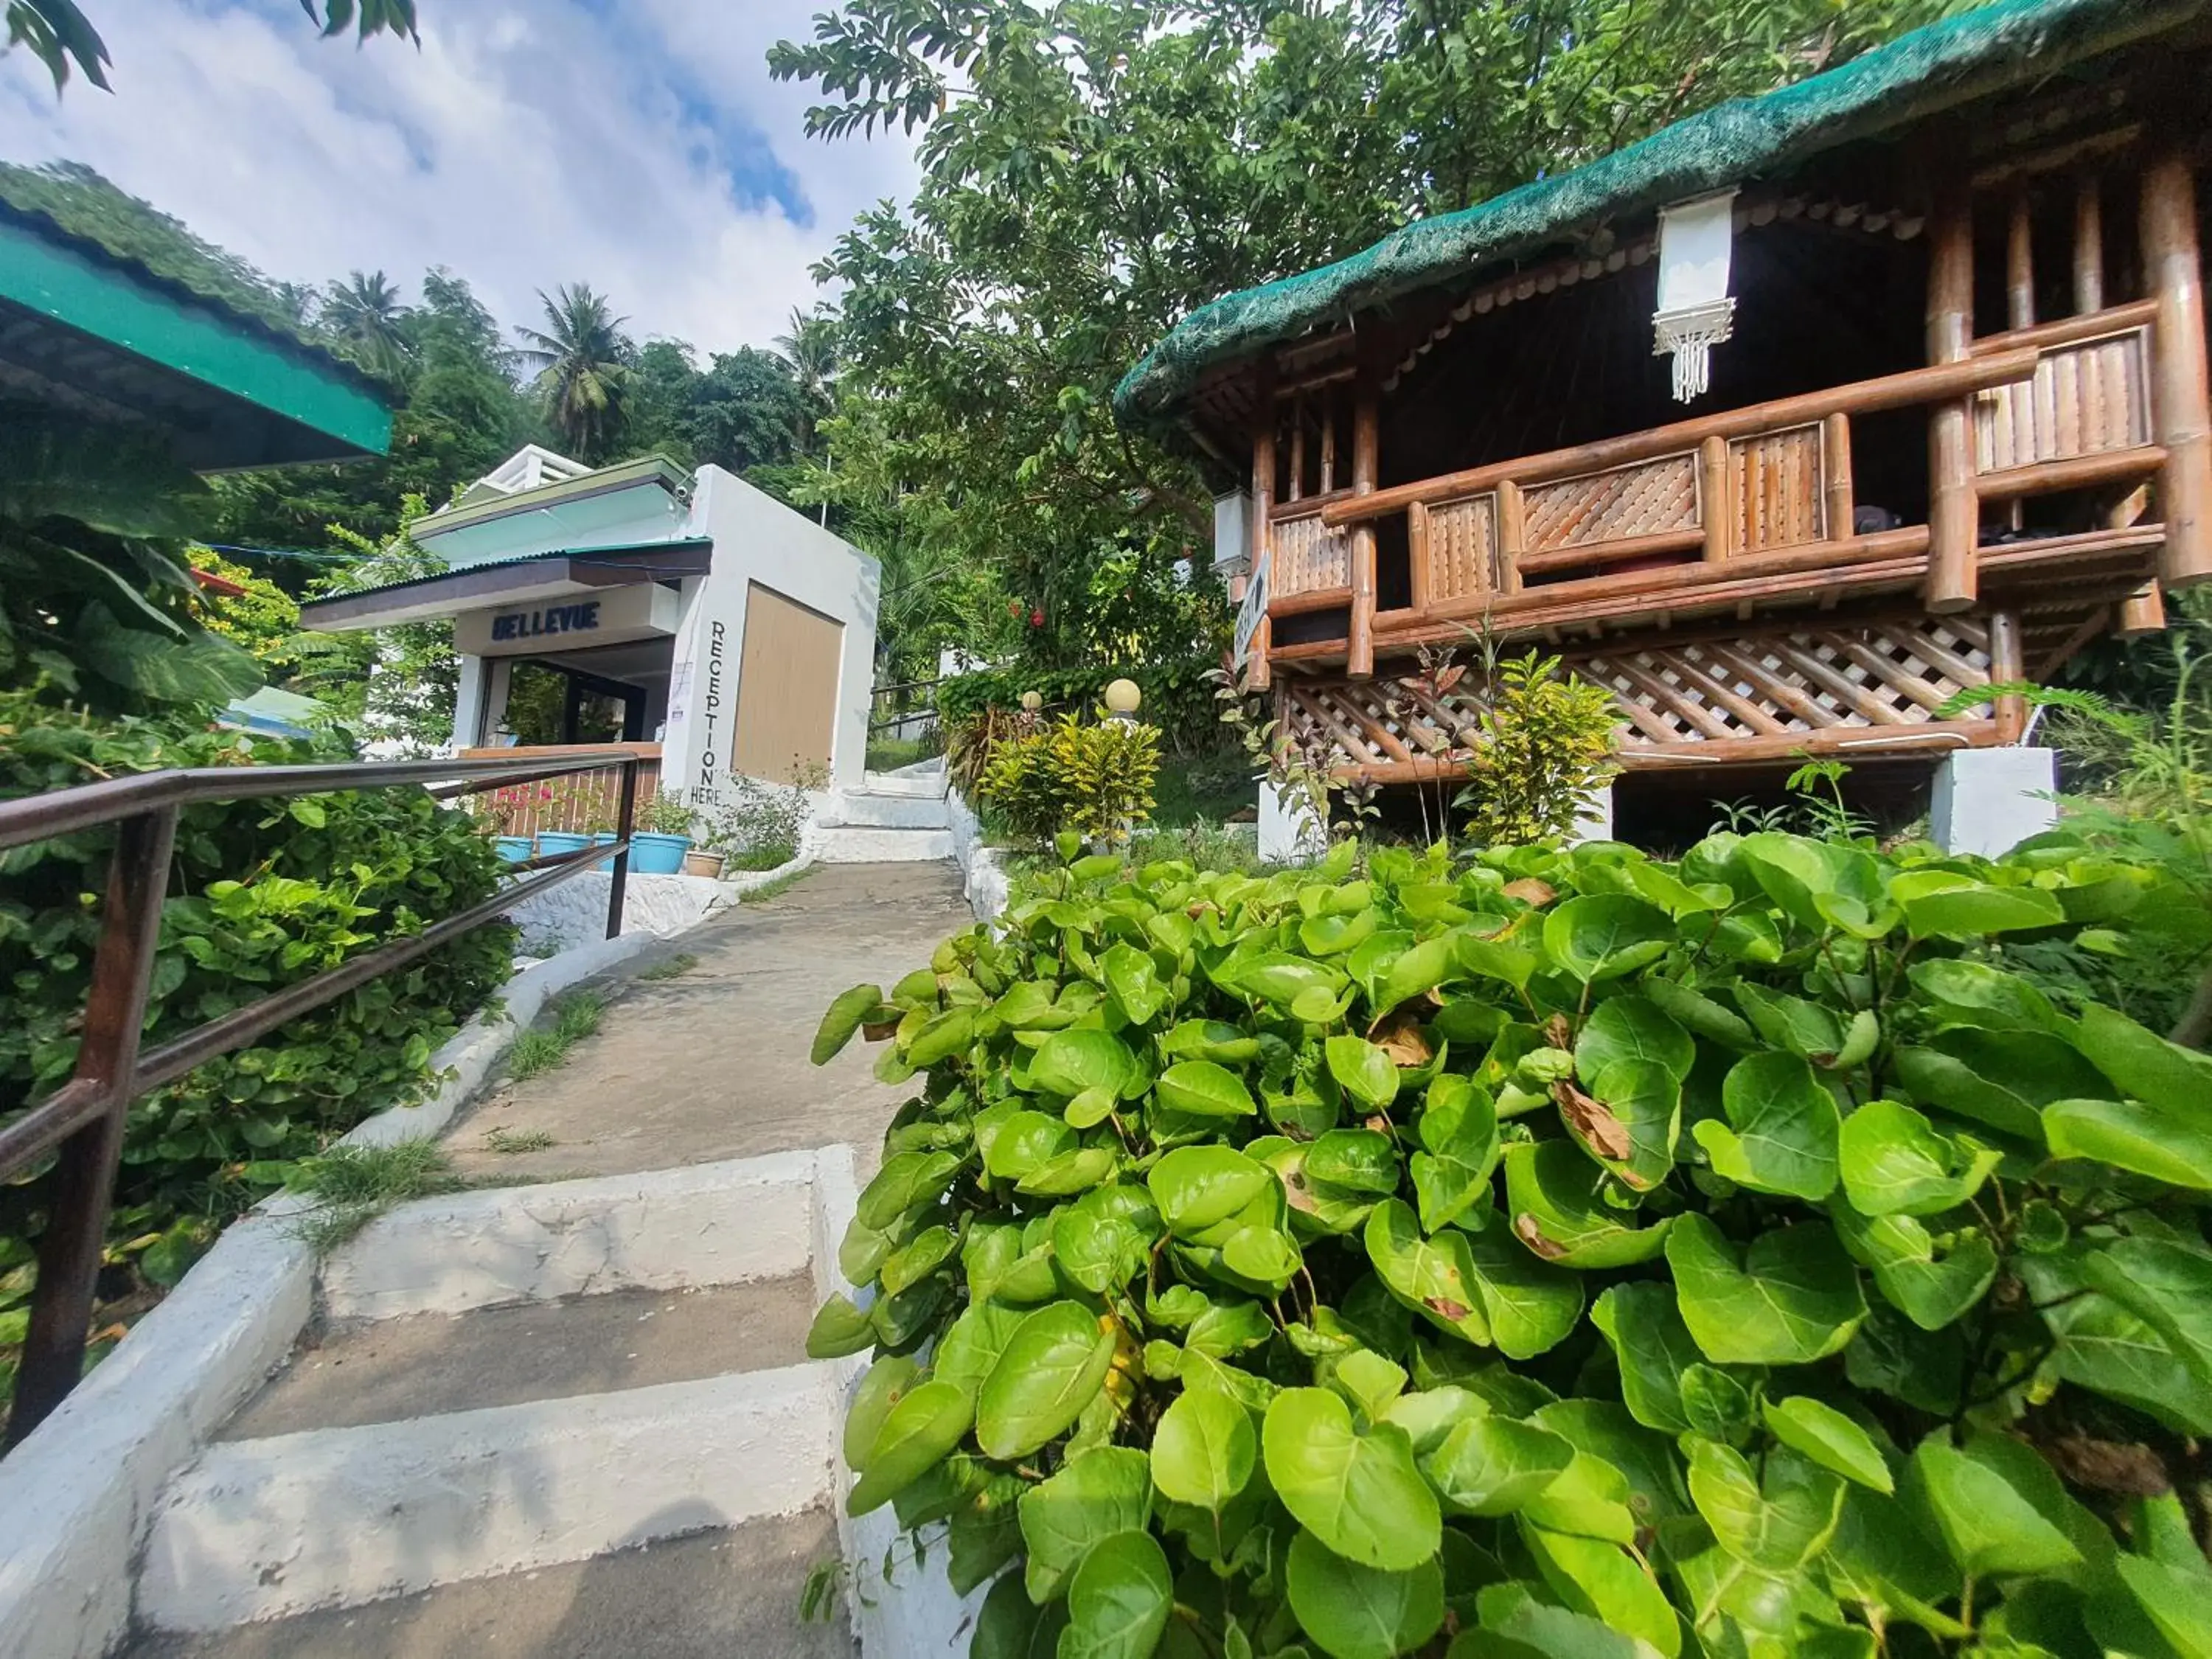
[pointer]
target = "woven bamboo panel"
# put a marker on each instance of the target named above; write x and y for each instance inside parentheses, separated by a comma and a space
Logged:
(1463, 547)
(1308, 555)
(1778, 488)
(1641, 499)
(1893, 674)
(2084, 399)
(1890, 674)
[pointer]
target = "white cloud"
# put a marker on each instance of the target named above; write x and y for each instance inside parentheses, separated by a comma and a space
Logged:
(638, 147)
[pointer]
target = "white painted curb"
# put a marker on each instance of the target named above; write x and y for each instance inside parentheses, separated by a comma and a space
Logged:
(263, 1529)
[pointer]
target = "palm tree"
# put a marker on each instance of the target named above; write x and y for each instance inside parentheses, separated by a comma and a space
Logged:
(364, 312)
(810, 348)
(580, 358)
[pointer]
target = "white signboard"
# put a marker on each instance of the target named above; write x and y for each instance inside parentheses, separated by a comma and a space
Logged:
(1252, 612)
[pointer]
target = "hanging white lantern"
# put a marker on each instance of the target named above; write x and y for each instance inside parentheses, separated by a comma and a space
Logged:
(1695, 312)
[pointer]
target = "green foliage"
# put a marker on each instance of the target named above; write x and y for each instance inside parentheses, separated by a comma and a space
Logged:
(397, 685)
(513, 1143)
(261, 894)
(671, 967)
(97, 603)
(1095, 781)
(1543, 741)
(755, 824)
(1595, 1255)
(353, 1185)
(1176, 697)
(575, 1016)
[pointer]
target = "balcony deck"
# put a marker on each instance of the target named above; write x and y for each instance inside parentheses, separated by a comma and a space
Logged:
(1711, 573)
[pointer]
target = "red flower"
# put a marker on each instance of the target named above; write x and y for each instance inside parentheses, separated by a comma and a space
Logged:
(1013, 607)
(1036, 619)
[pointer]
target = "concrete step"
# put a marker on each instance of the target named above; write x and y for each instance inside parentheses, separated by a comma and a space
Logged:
(858, 845)
(879, 812)
(292, 1523)
(427, 1364)
(705, 1596)
(919, 780)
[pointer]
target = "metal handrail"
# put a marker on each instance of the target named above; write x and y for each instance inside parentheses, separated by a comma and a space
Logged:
(82, 1121)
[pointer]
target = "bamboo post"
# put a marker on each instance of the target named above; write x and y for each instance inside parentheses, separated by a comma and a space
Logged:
(1512, 536)
(2181, 404)
(1417, 554)
(1715, 502)
(1366, 465)
(2088, 247)
(1328, 443)
(1837, 487)
(2019, 265)
(1297, 479)
(2143, 612)
(2008, 664)
(1258, 673)
(1954, 510)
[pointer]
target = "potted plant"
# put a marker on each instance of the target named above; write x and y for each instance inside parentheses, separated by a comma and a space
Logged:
(662, 838)
(509, 811)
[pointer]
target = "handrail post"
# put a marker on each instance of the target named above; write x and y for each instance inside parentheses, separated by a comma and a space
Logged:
(625, 821)
(84, 1172)
(1954, 503)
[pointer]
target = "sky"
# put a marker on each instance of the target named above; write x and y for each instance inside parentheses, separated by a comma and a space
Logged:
(636, 145)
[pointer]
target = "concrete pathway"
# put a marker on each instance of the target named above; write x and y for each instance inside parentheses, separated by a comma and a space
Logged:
(707, 1065)
(712, 1064)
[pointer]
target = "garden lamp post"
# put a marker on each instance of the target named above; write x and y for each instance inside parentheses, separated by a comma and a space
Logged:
(1122, 697)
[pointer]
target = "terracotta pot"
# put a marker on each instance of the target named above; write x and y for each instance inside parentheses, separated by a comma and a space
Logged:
(697, 863)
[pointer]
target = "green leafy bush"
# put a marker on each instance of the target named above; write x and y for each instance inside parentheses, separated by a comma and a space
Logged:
(1543, 740)
(1177, 697)
(1565, 1254)
(1096, 780)
(262, 894)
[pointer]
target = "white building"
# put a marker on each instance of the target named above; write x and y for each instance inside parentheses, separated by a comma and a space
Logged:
(726, 633)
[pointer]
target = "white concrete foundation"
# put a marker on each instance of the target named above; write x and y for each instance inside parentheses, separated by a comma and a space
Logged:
(1987, 801)
(1288, 834)
(575, 913)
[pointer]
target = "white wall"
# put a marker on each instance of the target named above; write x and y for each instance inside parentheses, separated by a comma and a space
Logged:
(758, 539)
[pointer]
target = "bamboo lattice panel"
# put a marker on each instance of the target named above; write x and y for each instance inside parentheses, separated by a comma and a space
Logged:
(2084, 399)
(1889, 674)
(1777, 489)
(1308, 557)
(1463, 547)
(1641, 499)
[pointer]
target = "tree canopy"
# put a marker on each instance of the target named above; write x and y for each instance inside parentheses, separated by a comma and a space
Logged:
(59, 33)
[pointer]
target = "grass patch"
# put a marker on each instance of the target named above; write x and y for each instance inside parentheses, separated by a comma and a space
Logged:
(753, 860)
(355, 1185)
(889, 754)
(574, 1018)
(513, 1142)
(766, 890)
(670, 967)
(1199, 789)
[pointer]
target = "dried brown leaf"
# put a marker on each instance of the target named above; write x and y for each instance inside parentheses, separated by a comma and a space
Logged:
(1593, 1120)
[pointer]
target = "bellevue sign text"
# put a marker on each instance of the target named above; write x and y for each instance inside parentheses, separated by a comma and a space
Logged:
(582, 619)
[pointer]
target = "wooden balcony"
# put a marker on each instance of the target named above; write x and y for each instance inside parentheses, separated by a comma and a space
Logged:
(1710, 571)
(1738, 508)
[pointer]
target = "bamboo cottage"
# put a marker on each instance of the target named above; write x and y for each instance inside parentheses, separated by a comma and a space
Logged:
(1786, 423)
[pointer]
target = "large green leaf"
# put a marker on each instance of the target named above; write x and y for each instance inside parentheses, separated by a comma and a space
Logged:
(1653, 1348)
(2173, 1145)
(842, 1020)
(1552, 1194)
(1198, 1187)
(839, 1328)
(1776, 1521)
(1023, 1141)
(1103, 1491)
(1943, 904)
(971, 1344)
(907, 1181)
(1134, 981)
(1601, 936)
(1052, 1368)
(1829, 1438)
(1532, 1305)
(1629, 1120)
(1932, 1286)
(1458, 1132)
(1362, 1160)
(2105, 1345)
(887, 1383)
(1359, 1493)
(1357, 1612)
(1204, 1449)
(1202, 1088)
(1068, 1062)
(1602, 1579)
(924, 1425)
(1492, 1465)
(2146, 1064)
(1101, 1240)
(1118, 1601)
(1434, 1277)
(1996, 1514)
(1632, 1028)
(1894, 1161)
(1792, 1297)
(1366, 1073)
(1781, 1132)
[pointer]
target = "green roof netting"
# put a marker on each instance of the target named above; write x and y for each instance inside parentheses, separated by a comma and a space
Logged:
(1914, 76)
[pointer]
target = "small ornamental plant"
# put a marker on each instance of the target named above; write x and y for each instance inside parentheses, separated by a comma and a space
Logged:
(1563, 1253)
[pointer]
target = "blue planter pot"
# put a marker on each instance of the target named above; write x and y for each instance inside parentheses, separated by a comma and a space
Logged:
(551, 842)
(608, 838)
(658, 856)
(515, 849)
